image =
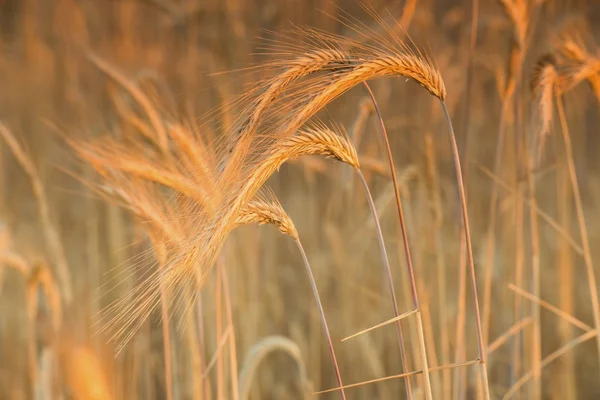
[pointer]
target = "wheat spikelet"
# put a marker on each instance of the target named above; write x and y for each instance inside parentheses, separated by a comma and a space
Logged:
(343, 64)
(108, 155)
(200, 251)
(296, 69)
(193, 255)
(263, 211)
(135, 93)
(579, 63)
(543, 83)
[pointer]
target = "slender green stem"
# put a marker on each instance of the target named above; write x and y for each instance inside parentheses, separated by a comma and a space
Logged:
(463, 203)
(313, 286)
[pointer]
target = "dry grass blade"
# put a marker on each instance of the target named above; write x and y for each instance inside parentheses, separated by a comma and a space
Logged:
(547, 360)
(389, 321)
(260, 351)
(545, 216)
(551, 308)
(516, 328)
(405, 375)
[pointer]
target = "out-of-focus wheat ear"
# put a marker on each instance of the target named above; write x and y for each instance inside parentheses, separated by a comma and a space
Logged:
(137, 95)
(259, 351)
(265, 211)
(587, 64)
(52, 236)
(471, 262)
(543, 83)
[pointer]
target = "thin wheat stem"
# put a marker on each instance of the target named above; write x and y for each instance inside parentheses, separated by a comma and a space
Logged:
(52, 237)
(536, 337)
(548, 359)
(166, 342)
(232, 347)
(409, 265)
(315, 291)
(388, 272)
(471, 263)
(587, 253)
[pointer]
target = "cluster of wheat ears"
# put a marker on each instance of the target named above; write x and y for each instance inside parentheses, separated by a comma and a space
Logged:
(190, 188)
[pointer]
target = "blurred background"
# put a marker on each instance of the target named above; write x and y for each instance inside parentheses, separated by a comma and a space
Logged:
(259, 324)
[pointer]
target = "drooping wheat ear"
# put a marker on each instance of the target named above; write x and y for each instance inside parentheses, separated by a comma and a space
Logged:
(259, 351)
(296, 69)
(264, 212)
(543, 84)
(322, 142)
(267, 210)
(196, 255)
(356, 69)
(518, 12)
(581, 63)
(315, 140)
(135, 93)
(409, 66)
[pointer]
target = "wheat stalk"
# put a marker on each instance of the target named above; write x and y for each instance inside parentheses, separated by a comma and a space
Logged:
(269, 211)
(51, 233)
(409, 264)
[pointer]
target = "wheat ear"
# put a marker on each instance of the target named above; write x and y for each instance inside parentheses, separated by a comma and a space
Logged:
(330, 144)
(265, 211)
(297, 68)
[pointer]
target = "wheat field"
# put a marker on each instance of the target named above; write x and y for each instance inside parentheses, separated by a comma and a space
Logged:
(241, 199)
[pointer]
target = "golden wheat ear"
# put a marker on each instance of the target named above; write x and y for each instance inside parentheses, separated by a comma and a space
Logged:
(265, 209)
(544, 80)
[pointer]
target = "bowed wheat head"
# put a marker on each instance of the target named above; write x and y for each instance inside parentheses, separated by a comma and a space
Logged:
(215, 189)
